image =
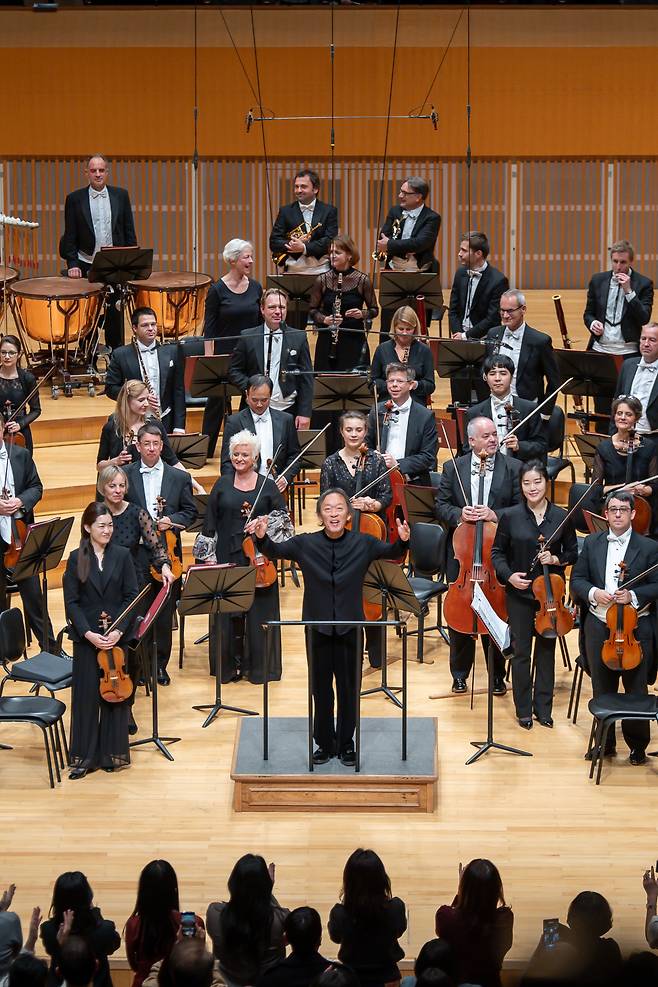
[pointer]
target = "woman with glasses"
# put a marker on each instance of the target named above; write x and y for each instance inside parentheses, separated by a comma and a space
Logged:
(15, 385)
(404, 347)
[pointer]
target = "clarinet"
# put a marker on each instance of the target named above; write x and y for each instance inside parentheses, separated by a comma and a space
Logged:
(335, 329)
(145, 378)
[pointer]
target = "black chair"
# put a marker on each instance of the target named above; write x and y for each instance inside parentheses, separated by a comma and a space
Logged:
(606, 711)
(555, 464)
(427, 559)
(47, 715)
(52, 672)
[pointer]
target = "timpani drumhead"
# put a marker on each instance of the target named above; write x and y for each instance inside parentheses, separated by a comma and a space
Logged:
(56, 288)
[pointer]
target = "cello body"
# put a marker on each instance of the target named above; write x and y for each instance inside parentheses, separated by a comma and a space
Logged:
(472, 544)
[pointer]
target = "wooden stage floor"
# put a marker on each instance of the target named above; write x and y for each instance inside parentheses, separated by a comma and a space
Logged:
(549, 829)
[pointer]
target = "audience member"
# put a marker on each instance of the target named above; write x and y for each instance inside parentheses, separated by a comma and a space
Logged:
(337, 975)
(189, 964)
(11, 934)
(368, 922)
(303, 932)
(650, 885)
(438, 954)
(433, 977)
(28, 971)
(77, 963)
(639, 970)
(247, 930)
(478, 925)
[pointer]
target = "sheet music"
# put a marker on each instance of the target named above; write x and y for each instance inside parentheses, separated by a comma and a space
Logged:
(497, 628)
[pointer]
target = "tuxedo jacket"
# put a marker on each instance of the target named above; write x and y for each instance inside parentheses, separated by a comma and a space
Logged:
(176, 490)
(624, 384)
(589, 570)
(533, 436)
(79, 228)
(635, 313)
(248, 358)
(485, 303)
(27, 484)
(109, 590)
(537, 373)
(283, 433)
(420, 243)
(125, 365)
(421, 443)
(291, 216)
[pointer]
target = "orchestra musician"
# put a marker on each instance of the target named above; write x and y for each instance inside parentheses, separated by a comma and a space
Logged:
(275, 349)
(406, 348)
(506, 410)
(99, 578)
(16, 384)
(595, 582)
(99, 215)
(117, 442)
(233, 304)
(501, 491)
(639, 377)
(243, 653)
(619, 303)
(406, 432)
(334, 562)
(273, 428)
(515, 546)
(160, 367)
(611, 464)
(149, 478)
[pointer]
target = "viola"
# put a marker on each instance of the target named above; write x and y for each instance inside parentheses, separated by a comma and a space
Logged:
(8, 414)
(266, 574)
(622, 651)
(553, 618)
(642, 520)
(170, 543)
(115, 685)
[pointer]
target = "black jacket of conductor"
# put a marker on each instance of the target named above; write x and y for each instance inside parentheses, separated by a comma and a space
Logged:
(333, 570)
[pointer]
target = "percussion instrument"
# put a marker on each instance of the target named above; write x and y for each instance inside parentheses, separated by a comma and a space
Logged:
(178, 299)
(57, 313)
(7, 276)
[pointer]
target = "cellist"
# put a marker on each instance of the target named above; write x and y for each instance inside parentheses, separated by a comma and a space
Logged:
(501, 490)
(407, 430)
(515, 547)
(595, 582)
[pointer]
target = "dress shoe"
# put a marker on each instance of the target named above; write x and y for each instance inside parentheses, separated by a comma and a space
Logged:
(525, 722)
(132, 726)
(163, 677)
(459, 685)
(109, 768)
(499, 686)
(348, 757)
(545, 721)
(321, 756)
(77, 773)
(638, 756)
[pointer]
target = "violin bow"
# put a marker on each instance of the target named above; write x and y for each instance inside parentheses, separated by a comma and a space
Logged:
(373, 483)
(379, 438)
(632, 483)
(131, 606)
(467, 500)
(628, 583)
(305, 448)
(535, 410)
(266, 477)
(26, 400)
(551, 538)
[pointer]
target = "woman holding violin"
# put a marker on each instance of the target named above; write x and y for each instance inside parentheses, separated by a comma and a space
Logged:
(521, 534)
(406, 348)
(231, 500)
(16, 385)
(99, 580)
(117, 443)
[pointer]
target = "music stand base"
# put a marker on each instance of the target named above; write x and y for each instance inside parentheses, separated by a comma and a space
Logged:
(487, 745)
(388, 691)
(215, 709)
(159, 743)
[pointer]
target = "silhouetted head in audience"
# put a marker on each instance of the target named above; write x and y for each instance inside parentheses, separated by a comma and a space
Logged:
(589, 915)
(435, 953)
(157, 898)
(189, 964)
(640, 970)
(73, 892)
(366, 885)
(247, 918)
(433, 977)
(77, 963)
(27, 970)
(303, 929)
(480, 891)
(337, 975)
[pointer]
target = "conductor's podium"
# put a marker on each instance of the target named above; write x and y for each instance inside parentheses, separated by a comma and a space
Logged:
(385, 782)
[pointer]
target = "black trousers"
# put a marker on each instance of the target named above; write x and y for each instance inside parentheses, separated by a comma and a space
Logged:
(213, 415)
(605, 680)
(32, 599)
(113, 323)
(334, 657)
(521, 613)
(462, 654)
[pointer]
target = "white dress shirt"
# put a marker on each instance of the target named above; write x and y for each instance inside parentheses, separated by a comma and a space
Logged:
(612, 340)
(643, 381)
(307, 213)
(500, 418)
(152, 480)
(409, 217)
(474, 277)
(617, 548)
(475, 480)
(513, 338)
(263, 426)
(5, 520)
(396, 442)
(149, 355)
(101, 217)
(277, 401)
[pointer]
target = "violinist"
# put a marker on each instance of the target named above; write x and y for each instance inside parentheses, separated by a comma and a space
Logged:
(99, 578)
(15, 386)
(243, 637)
(596, 582)
(405, 432)
(515, 547)
(506, 410)
(639, 377)
(406, 348)
(501, 490)
(626, 457)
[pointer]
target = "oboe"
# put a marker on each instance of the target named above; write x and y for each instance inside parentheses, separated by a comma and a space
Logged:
(336, 315)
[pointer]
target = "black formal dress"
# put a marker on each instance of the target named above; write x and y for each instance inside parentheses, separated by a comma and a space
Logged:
(13, 391)
(284, 434)
(244, 642)
(611, 467)
(133, 527)
(333, 570)
(227, 314)
(125, 365)
(325, 218)
(515, 546)
(99, 730)
(420, 358)
(111, 443)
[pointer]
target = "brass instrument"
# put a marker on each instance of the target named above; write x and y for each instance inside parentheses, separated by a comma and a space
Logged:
(381, 255)
(145, 378)
(299, 233)
(336, 314)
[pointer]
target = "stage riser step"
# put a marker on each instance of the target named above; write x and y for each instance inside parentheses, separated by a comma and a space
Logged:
(346, 797)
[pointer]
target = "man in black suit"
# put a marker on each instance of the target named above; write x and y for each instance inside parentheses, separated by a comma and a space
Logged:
(530, 440)
(99, 215)
(639, 377)
(408, 237)
(474, 302)
(273, 428)
(618, 304)
(501, 490)
(146, 358)
(595, 582)
(278, 351)
(407, 434)
(148, 479)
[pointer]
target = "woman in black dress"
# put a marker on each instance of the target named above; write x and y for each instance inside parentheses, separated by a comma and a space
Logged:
(100, 577)
(244, 641)
(117, 442)
(404, 347)
(611, 456)
(233, 304)
(15, 385)
(515, 546)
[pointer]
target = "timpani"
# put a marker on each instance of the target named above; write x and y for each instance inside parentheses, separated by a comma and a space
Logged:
(178, 299)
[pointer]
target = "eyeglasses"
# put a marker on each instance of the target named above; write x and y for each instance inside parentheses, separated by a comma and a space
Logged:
(619, 510)
(8, 355)
(508, 311)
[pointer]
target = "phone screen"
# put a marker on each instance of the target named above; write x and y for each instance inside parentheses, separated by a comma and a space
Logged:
(551, 933)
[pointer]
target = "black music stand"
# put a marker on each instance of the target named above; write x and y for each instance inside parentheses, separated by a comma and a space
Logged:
(314, 457)
(420, 503)
(201, 502)
(298, 289)
(592, 373)
(398, 288)
(116, 266)
(386, 584)
(210, 378)
(342, 392)
(43, 549)
(217, 589)
(191, 449)
(461, 357)
(149, 626)
(587, 443)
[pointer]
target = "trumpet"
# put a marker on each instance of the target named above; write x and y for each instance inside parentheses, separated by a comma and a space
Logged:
(299, 233)
(145, 378)
(381, 255)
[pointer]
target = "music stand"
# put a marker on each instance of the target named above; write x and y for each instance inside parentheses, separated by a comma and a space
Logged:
(595, 522)
(592, 374)
(148, 625)
(398, 288)
(586, 444)
(191, 449)
(461, 357)
(210, 378)
(342, 392)
(385, 584)
(218, 589)
(116, 266)
(298, 289)
(201, 502)
(420, 503)
(43, 549)
(314, 457)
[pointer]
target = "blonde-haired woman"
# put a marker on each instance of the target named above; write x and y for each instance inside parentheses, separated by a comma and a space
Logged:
(404, 347)
(117, 443)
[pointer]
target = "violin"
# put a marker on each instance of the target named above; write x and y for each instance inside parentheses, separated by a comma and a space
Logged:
(9, 413)
(622, 651)
(642, 520)
(398, 505)
(115, 685)
(170, 542)
(266, 574)
(553, 618)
